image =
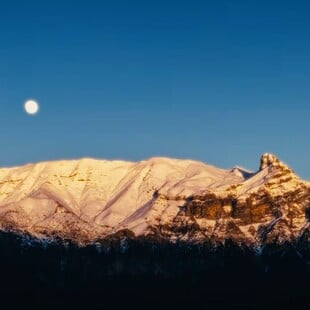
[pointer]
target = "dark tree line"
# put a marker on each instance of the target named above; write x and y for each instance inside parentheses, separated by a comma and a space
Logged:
(126, 270)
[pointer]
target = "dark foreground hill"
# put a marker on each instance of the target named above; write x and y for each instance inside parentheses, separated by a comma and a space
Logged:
(147, 275)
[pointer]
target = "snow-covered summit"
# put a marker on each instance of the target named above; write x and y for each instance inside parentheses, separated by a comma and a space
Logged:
(89, 199)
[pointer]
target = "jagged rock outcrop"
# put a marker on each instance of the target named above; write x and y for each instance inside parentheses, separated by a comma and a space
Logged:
(168, 199)
(269, 160)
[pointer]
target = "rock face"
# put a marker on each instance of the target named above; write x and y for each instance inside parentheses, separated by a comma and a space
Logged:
(163, 199)
(269, 160)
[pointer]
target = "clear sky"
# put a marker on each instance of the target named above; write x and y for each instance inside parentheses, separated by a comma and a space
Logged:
(218, 81)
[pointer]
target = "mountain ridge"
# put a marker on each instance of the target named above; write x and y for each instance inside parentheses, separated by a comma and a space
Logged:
(174, 199)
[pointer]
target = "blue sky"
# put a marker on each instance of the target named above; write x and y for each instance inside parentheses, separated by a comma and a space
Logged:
(217, 81)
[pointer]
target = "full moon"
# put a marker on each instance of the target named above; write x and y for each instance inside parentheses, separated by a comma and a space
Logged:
(31, 107)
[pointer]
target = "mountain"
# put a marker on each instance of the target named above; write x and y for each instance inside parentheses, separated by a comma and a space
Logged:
(162, 234)
(169, 200)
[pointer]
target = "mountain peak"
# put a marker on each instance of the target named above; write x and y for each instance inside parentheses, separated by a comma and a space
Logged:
(269, 160)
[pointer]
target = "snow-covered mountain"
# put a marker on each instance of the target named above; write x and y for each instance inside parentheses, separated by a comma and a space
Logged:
(170, 199)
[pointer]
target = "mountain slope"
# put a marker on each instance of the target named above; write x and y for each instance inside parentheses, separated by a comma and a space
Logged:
(87, 200)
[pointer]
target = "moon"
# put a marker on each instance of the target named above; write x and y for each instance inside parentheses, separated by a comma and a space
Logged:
(31, 107)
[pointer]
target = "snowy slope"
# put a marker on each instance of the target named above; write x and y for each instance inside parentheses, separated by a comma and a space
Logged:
(90, 199)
